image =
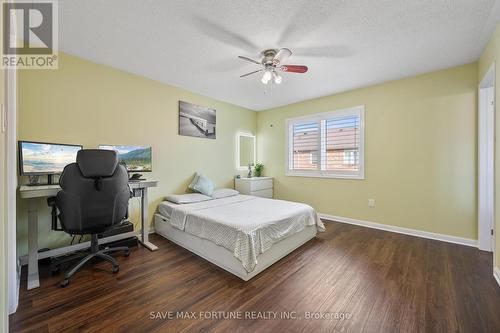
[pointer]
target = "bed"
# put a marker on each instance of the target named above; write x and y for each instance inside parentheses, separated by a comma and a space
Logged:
(242, 234)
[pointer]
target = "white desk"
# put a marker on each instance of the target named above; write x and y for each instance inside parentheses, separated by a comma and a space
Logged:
(139, 189)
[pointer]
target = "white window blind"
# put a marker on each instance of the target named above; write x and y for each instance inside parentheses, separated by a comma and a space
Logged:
(305, 146)
(329, 144)
(350, 157)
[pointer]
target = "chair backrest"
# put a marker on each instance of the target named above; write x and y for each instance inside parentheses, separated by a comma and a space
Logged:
(94, 192)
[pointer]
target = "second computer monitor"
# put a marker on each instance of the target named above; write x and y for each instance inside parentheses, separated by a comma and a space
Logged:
(135, 158)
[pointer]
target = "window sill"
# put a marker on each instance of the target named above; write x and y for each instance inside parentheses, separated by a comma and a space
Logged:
(358, 176)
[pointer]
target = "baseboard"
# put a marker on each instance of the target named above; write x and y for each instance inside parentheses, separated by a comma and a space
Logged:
(13, 307)
(496, 274)
(400, 230)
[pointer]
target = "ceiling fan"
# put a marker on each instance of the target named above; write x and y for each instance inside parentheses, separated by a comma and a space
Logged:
(271, 63)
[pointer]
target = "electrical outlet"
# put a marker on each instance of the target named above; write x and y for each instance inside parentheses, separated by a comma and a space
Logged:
(371, 203)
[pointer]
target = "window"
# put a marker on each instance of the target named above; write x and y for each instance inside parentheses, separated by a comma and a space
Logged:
(314, 157)
(329, 144)
(350, 157)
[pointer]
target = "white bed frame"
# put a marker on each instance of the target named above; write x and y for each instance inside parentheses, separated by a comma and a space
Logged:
(224, 258)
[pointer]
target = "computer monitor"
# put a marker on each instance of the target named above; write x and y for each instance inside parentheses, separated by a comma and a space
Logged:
(135, 158)
(44, 158)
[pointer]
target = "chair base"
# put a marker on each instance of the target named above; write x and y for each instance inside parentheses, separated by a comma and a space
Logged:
(96, 253)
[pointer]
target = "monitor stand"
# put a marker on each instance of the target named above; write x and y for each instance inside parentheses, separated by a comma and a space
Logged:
(135, 177)
(50, 180)
(34, 181)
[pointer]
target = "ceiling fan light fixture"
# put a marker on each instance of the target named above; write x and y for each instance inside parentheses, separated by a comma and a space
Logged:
(271, 62)
(277, 78)
(266, 77)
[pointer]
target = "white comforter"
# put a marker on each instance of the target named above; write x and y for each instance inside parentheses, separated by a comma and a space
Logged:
(245, 225)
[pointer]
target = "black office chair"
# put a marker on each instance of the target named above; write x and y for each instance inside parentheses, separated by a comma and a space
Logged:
(93, 198)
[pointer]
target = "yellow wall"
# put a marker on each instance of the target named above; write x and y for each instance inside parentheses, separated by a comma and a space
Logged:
(491, 55)
(91, 104)
(420, 154)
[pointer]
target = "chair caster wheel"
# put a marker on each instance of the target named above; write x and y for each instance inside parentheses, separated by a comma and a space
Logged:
(116, 269)
(64, 283)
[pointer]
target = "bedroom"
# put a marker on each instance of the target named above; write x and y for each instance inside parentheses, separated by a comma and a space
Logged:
(382, 135)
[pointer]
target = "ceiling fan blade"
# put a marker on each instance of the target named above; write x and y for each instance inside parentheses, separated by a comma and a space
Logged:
(224, 35)
(251, 60)
(294, 68)
(259, 70)
(331, 51)
(303, 19)
(281, 55)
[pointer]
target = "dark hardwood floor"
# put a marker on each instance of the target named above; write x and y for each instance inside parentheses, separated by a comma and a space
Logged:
(379, 282)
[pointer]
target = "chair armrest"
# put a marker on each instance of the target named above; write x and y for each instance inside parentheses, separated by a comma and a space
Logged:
(51, 202)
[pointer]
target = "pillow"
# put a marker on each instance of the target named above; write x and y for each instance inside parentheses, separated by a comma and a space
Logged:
(224, 192)
(204, 185)
(194, 181)
(187, 198)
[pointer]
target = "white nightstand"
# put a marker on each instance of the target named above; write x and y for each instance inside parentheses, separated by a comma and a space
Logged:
(258, 186)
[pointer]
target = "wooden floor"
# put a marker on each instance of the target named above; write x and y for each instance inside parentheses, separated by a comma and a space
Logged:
(376, 281)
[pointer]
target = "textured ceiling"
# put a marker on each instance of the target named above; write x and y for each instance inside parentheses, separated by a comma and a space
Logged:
(194, 44)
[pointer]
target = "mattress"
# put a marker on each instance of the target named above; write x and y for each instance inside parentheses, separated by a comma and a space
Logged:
(165, 209)
(245, 225)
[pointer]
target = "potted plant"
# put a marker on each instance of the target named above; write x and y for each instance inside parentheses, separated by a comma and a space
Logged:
(258, 169)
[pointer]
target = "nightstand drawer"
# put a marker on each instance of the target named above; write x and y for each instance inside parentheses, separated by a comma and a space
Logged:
(267, 193)
(261, 184)
(258, 186)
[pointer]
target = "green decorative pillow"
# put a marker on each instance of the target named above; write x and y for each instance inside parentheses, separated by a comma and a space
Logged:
(204, 185)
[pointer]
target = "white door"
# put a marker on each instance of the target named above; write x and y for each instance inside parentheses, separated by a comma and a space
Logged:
(486, 148)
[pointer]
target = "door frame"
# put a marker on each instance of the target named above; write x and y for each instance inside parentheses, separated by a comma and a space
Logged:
(13, 272)
(13, 267)
(486, 161)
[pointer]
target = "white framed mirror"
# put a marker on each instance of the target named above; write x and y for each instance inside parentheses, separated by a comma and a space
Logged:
(245, 154)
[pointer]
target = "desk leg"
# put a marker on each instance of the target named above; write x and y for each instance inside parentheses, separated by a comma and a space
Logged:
(145, 220)
(33, 281)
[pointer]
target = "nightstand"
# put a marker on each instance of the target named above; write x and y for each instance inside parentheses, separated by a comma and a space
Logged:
(258, 186)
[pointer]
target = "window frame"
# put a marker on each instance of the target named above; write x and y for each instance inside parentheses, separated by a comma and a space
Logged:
(318, 117)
